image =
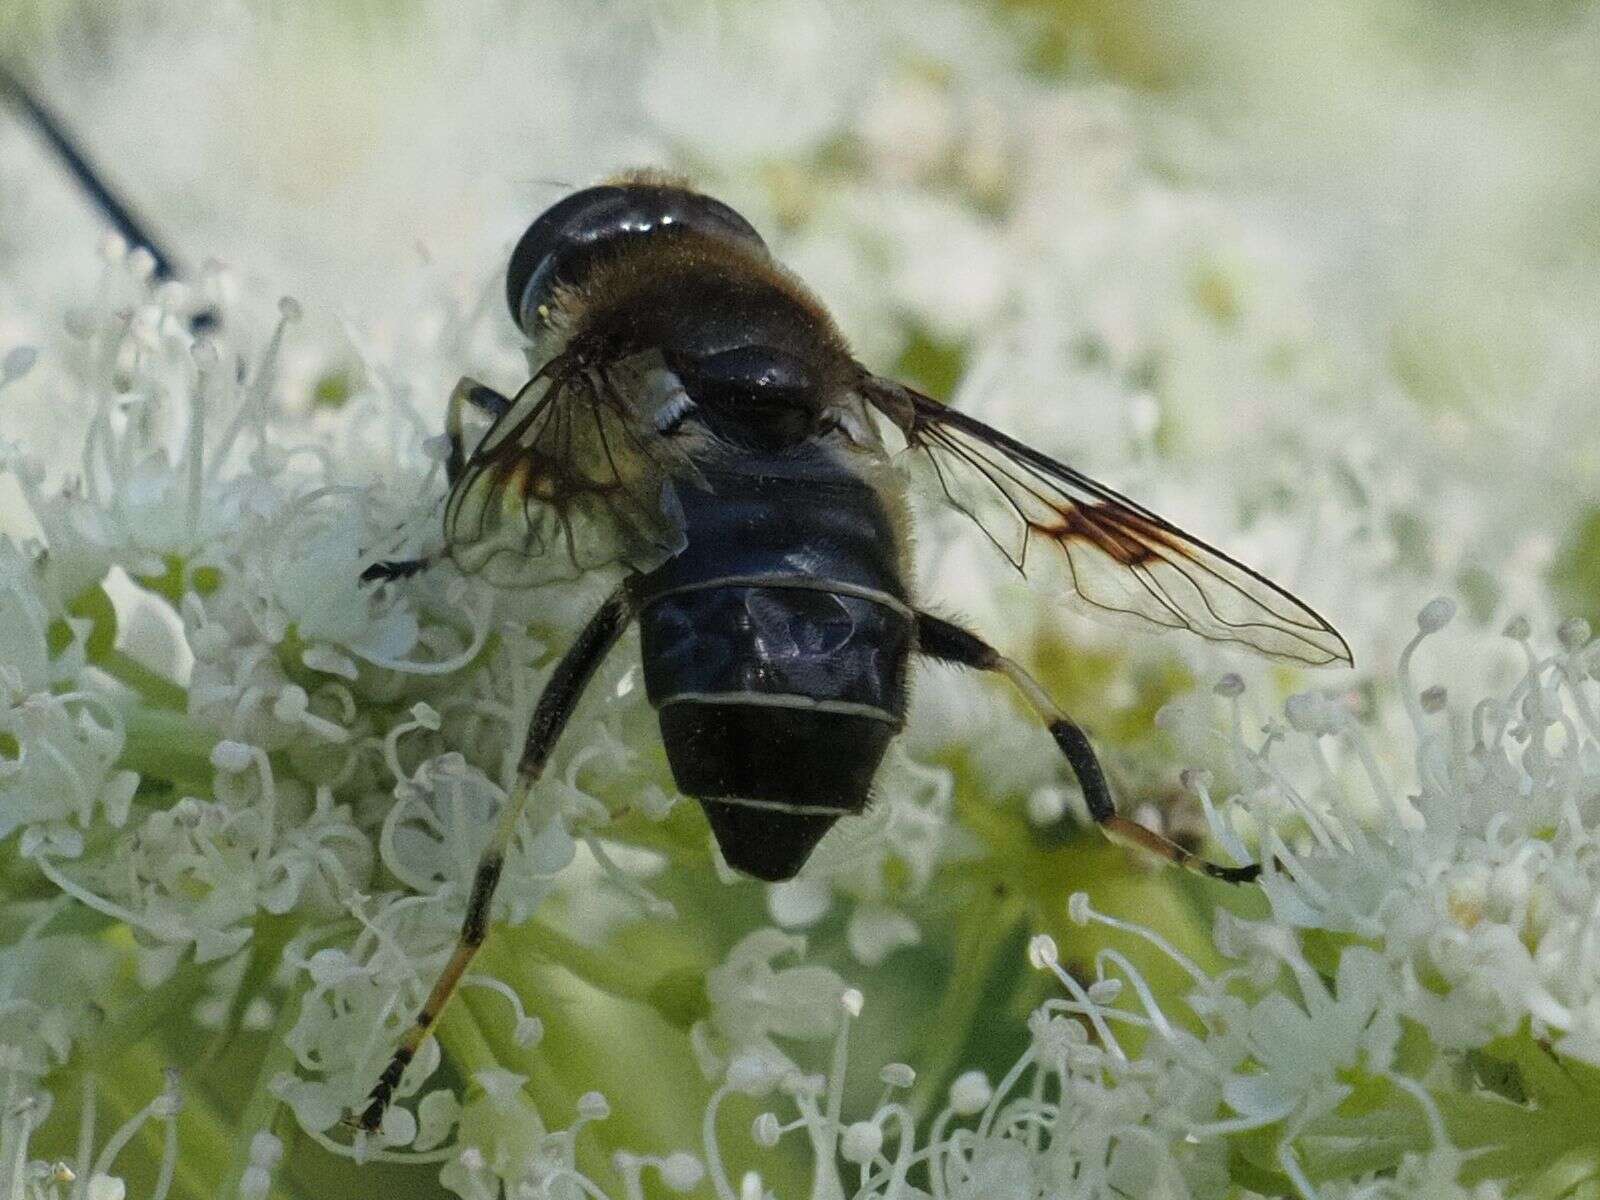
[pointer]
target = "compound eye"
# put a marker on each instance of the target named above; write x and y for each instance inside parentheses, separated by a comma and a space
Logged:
(572, 234)
(556, 230)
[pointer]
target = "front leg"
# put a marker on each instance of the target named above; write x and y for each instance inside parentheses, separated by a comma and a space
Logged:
(550, 716)
(482, 397)
(396, 568)
(467, 391)
(950, 643)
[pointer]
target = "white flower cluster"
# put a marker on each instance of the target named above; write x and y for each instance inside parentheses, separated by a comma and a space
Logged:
(1482, 884)
(1414, 1017)
(270, 707)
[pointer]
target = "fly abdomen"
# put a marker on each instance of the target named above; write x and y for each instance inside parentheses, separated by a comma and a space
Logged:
(775, 649)
(776, 706)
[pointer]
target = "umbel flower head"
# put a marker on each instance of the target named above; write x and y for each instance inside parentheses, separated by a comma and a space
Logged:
(242, 796)
(1372, 1035)
(247, 788)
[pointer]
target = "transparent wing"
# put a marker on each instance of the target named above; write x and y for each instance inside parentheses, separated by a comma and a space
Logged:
(1120, 556)
(570, 478)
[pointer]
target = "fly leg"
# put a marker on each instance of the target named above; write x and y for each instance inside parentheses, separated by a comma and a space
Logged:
(396, 568)
(550, 716)
(946, 642)
(480, 396)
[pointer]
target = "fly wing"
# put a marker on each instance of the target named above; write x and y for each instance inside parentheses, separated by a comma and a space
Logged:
(1120, 556)
(572, 477)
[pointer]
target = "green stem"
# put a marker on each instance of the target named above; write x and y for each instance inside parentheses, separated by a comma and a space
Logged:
(262, 1106)
(590, 1044)
(980, 933)
(202, 1131)
(464, 1038)
(268, 938)
(165, 745)
(604, 972)
(154, 687)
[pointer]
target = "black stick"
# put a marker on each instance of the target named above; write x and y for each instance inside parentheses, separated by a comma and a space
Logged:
(89, 177)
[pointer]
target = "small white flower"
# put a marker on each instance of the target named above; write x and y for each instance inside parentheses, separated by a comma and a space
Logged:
(753, 1000)
(876, 931)
(970, 1093)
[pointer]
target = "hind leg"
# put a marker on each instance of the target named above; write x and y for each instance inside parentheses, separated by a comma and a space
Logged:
(950, 643)
(550, 716)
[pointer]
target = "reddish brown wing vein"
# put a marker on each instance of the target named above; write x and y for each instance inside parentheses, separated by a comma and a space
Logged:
(1118, 510)
(1126, 533)
(567, 474)
(1081, 522)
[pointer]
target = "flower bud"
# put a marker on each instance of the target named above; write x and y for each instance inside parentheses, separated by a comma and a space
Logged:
(681, 1172)
(897, 1075)
(765, 1130)
(1436, 614)
(861, 1142)
(970, 1093)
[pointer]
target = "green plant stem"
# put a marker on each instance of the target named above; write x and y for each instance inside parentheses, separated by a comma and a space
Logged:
(152, 686)
(982, 931)
(604, 972)
(162, 744)
(261, 1108)
(203, 1134)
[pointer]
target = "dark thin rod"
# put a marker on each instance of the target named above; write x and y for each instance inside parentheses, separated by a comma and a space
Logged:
(90, 179)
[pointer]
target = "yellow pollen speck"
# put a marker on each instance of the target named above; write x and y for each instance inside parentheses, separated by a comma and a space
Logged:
(1465, 910)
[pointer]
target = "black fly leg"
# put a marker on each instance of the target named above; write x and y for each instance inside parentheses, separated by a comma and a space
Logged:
(941, 640)
(395, 568)
(550, 716)
(481, 397)
(100, 193)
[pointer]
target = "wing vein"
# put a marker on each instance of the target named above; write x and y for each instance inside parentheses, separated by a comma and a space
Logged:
(1120, 556)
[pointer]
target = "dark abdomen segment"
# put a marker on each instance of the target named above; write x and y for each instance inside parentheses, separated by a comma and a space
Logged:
(775, 649)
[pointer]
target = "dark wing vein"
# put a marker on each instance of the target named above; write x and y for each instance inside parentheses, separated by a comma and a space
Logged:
(564, 481)
(1120, 556)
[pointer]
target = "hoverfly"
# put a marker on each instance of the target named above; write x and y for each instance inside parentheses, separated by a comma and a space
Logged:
(697, 420)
